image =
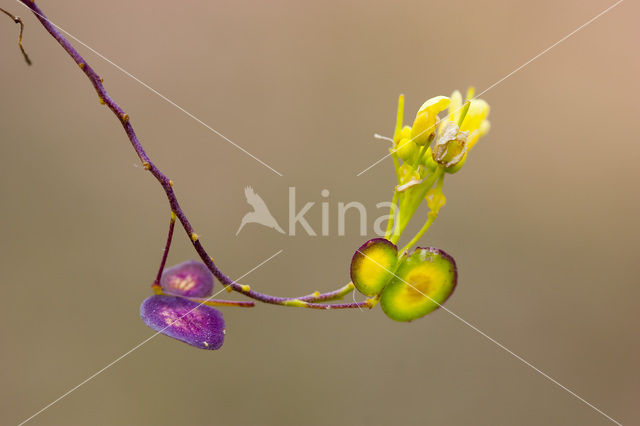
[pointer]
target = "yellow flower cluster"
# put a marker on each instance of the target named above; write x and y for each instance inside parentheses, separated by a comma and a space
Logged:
(432, 141)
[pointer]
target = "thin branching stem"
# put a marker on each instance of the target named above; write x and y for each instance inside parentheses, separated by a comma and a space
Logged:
(167, 185)
(18, 20)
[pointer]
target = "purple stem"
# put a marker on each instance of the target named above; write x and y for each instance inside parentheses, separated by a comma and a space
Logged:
(167, 246)
(354, 305)
(164, 181)
(213, 302)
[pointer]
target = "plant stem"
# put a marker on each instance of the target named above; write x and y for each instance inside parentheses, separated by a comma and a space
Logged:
(392, 213)
(18, 20)
(399, 119)
(213, 302)
(332, 295)
(369, 303)
(163, 180)
(167, 246)
(412, 198)
(431, 217)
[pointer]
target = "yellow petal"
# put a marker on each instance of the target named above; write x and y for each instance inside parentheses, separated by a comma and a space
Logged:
(455, 107)
(423, 127)
(485, 126)
(473, 139)
(471, 92)
(478, 111)
(435, 105)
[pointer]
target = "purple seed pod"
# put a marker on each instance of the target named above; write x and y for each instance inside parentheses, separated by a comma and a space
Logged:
(189, 279)
(195, 324)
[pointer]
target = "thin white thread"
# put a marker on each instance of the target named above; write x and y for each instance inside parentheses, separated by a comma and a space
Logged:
(491, 339)
(128, 74)
(504, 78)
(88, 379)
(275, 171)
(353, 296)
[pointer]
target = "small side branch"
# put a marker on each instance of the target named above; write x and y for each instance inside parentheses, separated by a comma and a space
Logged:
(18, 20)
(167, 247)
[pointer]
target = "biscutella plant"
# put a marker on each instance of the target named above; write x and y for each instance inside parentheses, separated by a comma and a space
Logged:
(408, 283)
(411, 282)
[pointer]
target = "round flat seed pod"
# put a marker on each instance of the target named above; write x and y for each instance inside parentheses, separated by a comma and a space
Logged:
(195, 324)
(190, 279)
(372, 266)
(422, 283)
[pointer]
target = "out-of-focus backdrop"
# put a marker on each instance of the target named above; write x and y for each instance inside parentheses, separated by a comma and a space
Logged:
(542, 220)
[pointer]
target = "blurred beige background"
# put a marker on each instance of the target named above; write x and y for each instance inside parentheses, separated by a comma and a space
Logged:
(543, 220)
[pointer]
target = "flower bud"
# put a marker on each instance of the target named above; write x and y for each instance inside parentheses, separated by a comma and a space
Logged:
(407, 150)
(423, 127)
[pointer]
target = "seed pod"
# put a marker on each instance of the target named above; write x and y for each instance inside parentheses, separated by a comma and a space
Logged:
(195, 324)
(372, 266)
(422, 283)
(191, 279)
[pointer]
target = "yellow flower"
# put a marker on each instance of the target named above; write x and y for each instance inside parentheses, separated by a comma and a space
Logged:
(451, 145)
(475, 121)
(474, 124)
(426, 119)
